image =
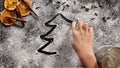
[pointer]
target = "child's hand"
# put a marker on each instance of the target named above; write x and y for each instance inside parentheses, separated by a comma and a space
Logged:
(82, 38)
(83, 44)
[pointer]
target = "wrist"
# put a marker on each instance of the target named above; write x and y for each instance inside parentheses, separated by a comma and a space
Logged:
(86, 56)
(89, 60)
(85, 53)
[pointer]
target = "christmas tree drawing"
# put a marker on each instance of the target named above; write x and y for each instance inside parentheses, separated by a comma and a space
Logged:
(50, 40)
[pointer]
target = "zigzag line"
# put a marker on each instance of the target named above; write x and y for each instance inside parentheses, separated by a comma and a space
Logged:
(50, 40)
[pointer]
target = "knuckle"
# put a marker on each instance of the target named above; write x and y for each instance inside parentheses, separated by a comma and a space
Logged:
(82, 32)
(74, 32)
(86, 24)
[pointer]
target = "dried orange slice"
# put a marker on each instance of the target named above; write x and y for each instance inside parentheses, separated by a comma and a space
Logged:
(23, 9)
(8, 13)
(10, 4)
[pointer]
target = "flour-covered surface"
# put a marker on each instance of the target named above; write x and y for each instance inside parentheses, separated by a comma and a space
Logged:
(19, 46)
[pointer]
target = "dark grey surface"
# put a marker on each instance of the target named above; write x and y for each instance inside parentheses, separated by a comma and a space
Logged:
(18, 46)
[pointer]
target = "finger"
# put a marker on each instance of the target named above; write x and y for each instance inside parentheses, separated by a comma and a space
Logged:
(80, 24)
(85, 26)
(74, 26)
(91, 30)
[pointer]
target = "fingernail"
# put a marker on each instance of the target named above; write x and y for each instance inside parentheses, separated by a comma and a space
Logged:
(74, 22)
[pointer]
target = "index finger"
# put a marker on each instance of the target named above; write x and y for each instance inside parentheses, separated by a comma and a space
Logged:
(74, 26)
